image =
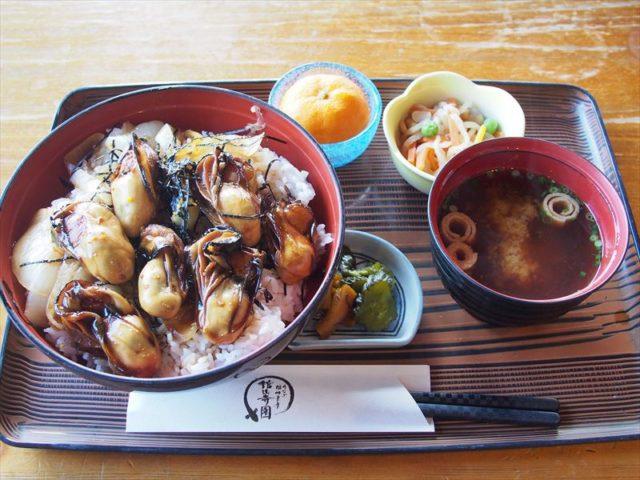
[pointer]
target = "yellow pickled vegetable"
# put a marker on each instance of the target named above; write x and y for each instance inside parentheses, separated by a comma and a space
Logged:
(342, 299)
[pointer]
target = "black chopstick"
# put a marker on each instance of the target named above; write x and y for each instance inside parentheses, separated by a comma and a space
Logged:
(481, 400)
(488, 414)
(520, 410)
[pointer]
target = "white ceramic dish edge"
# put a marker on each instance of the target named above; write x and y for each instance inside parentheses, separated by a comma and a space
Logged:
(433, 87)
(406, 275)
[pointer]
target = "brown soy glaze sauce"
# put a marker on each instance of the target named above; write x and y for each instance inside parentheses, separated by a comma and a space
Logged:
(520, 252)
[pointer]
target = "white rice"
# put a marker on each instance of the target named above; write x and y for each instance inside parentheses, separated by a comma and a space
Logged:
(97, 363)
(287, 300)
(62, 341)
(264, 327)
(283, 177)
(322, 238)
(184, 357)
(67, 345)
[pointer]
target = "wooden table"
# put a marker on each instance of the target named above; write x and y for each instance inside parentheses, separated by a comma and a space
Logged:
(50, 48)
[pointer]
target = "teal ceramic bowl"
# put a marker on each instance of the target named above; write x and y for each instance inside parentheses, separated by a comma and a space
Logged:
(345, 152)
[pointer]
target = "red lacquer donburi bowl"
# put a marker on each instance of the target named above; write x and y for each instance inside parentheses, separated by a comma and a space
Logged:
(541, 158)
(37, 181)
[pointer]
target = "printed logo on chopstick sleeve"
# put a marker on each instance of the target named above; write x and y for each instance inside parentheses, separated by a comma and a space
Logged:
(267, 396)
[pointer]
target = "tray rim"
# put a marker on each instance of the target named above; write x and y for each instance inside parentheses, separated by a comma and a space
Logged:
(318, 451)
(332, 451)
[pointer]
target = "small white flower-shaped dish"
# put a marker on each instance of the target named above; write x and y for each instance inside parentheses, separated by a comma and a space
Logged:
(368, 248)
(429, 89)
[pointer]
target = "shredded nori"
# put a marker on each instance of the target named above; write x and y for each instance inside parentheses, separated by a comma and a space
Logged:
(176, 183)
(37, 262)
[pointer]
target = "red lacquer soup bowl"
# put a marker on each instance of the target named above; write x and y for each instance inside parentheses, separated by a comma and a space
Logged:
(39, 179)
(540, 158)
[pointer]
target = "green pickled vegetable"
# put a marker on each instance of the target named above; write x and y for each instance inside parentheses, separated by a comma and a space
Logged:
(376, 306)
(357, 279)
(347, 262)
(364, 271)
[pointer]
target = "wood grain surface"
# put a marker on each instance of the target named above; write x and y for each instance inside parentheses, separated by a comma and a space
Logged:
(50, 48)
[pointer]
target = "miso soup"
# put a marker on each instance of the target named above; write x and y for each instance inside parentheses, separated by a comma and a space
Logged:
(521, 234)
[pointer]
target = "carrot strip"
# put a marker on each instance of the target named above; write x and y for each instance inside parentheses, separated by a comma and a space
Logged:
(417, 106)
(432, 160)
(410, 141)
(421, 160)
(411, 157)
